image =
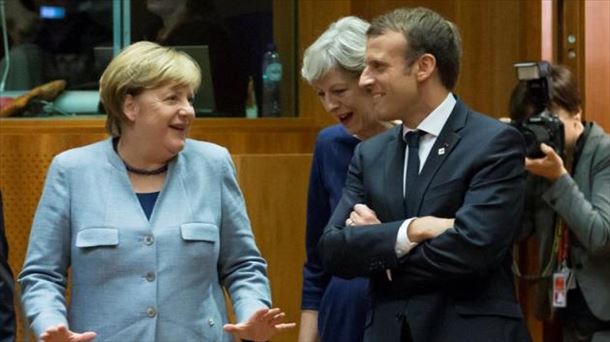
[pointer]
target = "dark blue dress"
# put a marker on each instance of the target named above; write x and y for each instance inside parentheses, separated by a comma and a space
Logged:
(341, 304)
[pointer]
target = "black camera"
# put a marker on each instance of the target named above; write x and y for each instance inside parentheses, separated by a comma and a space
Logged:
(537, 124)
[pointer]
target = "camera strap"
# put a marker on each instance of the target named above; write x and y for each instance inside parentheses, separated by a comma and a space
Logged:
(558, 254)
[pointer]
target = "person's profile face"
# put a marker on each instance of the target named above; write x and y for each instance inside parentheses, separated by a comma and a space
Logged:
(387, 77)
(350, 104)
(162, 116)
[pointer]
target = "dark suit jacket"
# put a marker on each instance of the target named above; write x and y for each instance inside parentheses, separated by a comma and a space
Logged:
(7, 311)
(458, 286)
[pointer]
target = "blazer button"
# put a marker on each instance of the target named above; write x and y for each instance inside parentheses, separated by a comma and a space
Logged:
(149, 240)
(150, 276)
(211, 322)
(151, 312)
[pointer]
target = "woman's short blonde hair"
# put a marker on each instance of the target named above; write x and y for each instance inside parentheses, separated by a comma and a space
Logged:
(142, 66)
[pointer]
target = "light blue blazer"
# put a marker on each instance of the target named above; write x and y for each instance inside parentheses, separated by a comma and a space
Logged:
(135, 279)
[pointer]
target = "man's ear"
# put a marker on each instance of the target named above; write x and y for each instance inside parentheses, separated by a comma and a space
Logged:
(426, 66)
(130, 107)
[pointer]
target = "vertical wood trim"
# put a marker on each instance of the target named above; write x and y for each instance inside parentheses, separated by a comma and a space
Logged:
(547, 30)
(597, 62)
(572, 54)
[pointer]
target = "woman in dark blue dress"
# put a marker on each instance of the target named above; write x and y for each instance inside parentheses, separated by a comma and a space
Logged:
(334, 309)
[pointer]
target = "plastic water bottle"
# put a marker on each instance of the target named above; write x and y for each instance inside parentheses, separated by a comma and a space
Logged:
(251, 109)
(272, 79)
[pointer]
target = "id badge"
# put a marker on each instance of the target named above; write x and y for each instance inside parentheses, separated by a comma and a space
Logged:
(560, 289)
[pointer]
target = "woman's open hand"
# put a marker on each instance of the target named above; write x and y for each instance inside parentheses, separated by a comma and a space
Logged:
(261, 326)
(60, 333)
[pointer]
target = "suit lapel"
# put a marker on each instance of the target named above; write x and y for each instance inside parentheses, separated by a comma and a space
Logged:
(394, 168)
(442, 148)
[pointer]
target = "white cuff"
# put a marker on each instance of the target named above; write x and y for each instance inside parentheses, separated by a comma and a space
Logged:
(403, 244)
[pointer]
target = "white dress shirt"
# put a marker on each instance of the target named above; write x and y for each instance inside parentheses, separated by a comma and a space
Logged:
(432, 125)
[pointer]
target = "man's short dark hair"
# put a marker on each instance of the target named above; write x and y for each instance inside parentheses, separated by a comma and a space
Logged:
(425, 32)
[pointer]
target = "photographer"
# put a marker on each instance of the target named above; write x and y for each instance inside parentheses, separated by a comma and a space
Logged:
(568, 208)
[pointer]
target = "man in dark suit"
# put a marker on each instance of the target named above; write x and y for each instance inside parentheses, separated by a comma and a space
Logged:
(7, 311)
(429, 283)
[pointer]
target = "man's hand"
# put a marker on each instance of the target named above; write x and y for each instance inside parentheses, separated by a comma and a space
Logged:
(550, 166)
(60, 333)
(261, 326)
(428, 227)
(362, 216)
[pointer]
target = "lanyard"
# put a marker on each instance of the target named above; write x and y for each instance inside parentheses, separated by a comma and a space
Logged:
(558, 257)
(562, 247)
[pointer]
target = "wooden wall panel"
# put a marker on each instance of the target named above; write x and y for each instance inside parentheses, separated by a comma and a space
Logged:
(370, 9)
(275, 189)
(571, 52)
(491, 45)
(239, 136)
(597, 62)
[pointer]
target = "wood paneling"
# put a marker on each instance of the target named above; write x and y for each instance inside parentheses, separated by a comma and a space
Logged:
(570, 52)
(370, 9)
(275, 189)
(597, 62)
(238, 135)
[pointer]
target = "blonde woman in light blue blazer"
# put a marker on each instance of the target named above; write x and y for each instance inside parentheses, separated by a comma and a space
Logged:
(152, 225)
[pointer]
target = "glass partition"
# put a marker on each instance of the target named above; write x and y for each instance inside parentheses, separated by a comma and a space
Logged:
(246, 48)
(51, 40)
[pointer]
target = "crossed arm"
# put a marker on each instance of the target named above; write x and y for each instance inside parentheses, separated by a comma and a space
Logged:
(485, 226)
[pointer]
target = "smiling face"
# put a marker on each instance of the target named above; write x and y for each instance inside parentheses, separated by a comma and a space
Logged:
(346, 101)
(388, 78)
(160, 118)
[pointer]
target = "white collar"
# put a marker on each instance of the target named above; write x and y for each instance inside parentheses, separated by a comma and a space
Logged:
(434, 122)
